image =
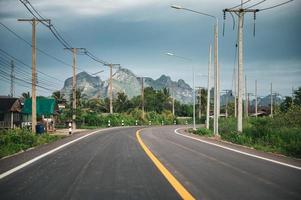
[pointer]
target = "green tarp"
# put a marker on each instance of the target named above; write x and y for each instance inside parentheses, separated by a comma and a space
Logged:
(45, 106)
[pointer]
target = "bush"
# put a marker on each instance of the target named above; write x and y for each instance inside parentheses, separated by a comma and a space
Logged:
(280, 134)
(13, 141)
(204, 132)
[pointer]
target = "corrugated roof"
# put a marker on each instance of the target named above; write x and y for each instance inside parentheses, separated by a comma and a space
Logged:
(7, 103)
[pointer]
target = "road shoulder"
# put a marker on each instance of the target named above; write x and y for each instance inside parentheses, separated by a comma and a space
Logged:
(12, 161)
(244, 149)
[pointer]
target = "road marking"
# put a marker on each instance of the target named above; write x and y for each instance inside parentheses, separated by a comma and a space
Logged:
(171, 179)
(48, 153)
(237, 151)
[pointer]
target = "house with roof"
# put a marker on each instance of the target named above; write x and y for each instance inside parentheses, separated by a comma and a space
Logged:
(10, 109)
(47, 110)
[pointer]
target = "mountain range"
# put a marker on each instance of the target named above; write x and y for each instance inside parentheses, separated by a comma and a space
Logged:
(126, 81)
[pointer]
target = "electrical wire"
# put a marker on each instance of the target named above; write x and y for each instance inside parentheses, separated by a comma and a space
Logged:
(268, 8)
(256, 4)
(240, 4)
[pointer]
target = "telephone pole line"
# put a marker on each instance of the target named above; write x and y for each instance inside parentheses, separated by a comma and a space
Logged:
(240, 12)
(12, 79)
(34, 22)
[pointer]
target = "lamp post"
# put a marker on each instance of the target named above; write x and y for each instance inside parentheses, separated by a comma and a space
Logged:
(216, 66)
(193, 84)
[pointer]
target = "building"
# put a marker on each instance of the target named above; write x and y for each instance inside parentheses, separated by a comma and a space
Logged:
(10, 109)
(47, 110)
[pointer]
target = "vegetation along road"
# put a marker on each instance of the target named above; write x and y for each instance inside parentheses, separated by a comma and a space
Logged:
(149, 163)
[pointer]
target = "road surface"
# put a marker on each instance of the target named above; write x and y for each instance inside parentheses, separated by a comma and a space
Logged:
(112, 164)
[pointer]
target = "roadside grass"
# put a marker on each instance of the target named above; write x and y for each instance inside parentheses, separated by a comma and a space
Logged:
(265, 133)
(13, 141)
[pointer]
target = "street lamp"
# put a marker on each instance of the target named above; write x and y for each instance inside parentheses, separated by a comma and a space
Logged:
(216, 66)
(193, 84)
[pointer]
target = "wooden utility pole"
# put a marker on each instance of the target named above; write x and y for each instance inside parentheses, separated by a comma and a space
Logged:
(142, 97)
(12, 79)
(33, 22)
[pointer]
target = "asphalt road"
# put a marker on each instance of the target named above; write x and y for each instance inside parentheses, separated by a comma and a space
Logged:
(112, 165)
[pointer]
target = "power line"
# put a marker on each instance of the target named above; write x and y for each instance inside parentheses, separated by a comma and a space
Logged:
(28, 82)
(256, 4)
(276, 5)
(38, 49)
(18, 60)
(56, 34)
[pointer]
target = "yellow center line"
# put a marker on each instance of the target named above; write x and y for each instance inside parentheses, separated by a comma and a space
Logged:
(171, 179)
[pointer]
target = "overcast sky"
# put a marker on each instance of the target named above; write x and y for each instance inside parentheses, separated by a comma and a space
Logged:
(137, 33)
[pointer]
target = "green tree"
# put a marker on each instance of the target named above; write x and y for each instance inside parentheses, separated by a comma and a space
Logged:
(297, 96)
(122, 103)
(286, 104)
(59, 97)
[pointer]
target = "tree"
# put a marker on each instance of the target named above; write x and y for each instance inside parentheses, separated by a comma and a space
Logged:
(59, 97)
(122, 103)
(286, 104)
(297, 96)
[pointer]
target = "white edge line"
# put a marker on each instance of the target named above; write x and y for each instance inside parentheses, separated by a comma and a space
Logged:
(237, 151)
(48, 153)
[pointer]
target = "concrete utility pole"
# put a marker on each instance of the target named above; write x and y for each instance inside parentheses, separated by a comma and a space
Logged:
(33, 22)
(216, 81)
(216, 67)
(200, 101)
(142, 97)
(173, 101)
(271, 115)
(227, 101)
(208, 88)
(74, 53)
(246, 99)
(240, 12)
(12, 79)
(111, 85)
(193, 92)
(111, 88)
(256, 111)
